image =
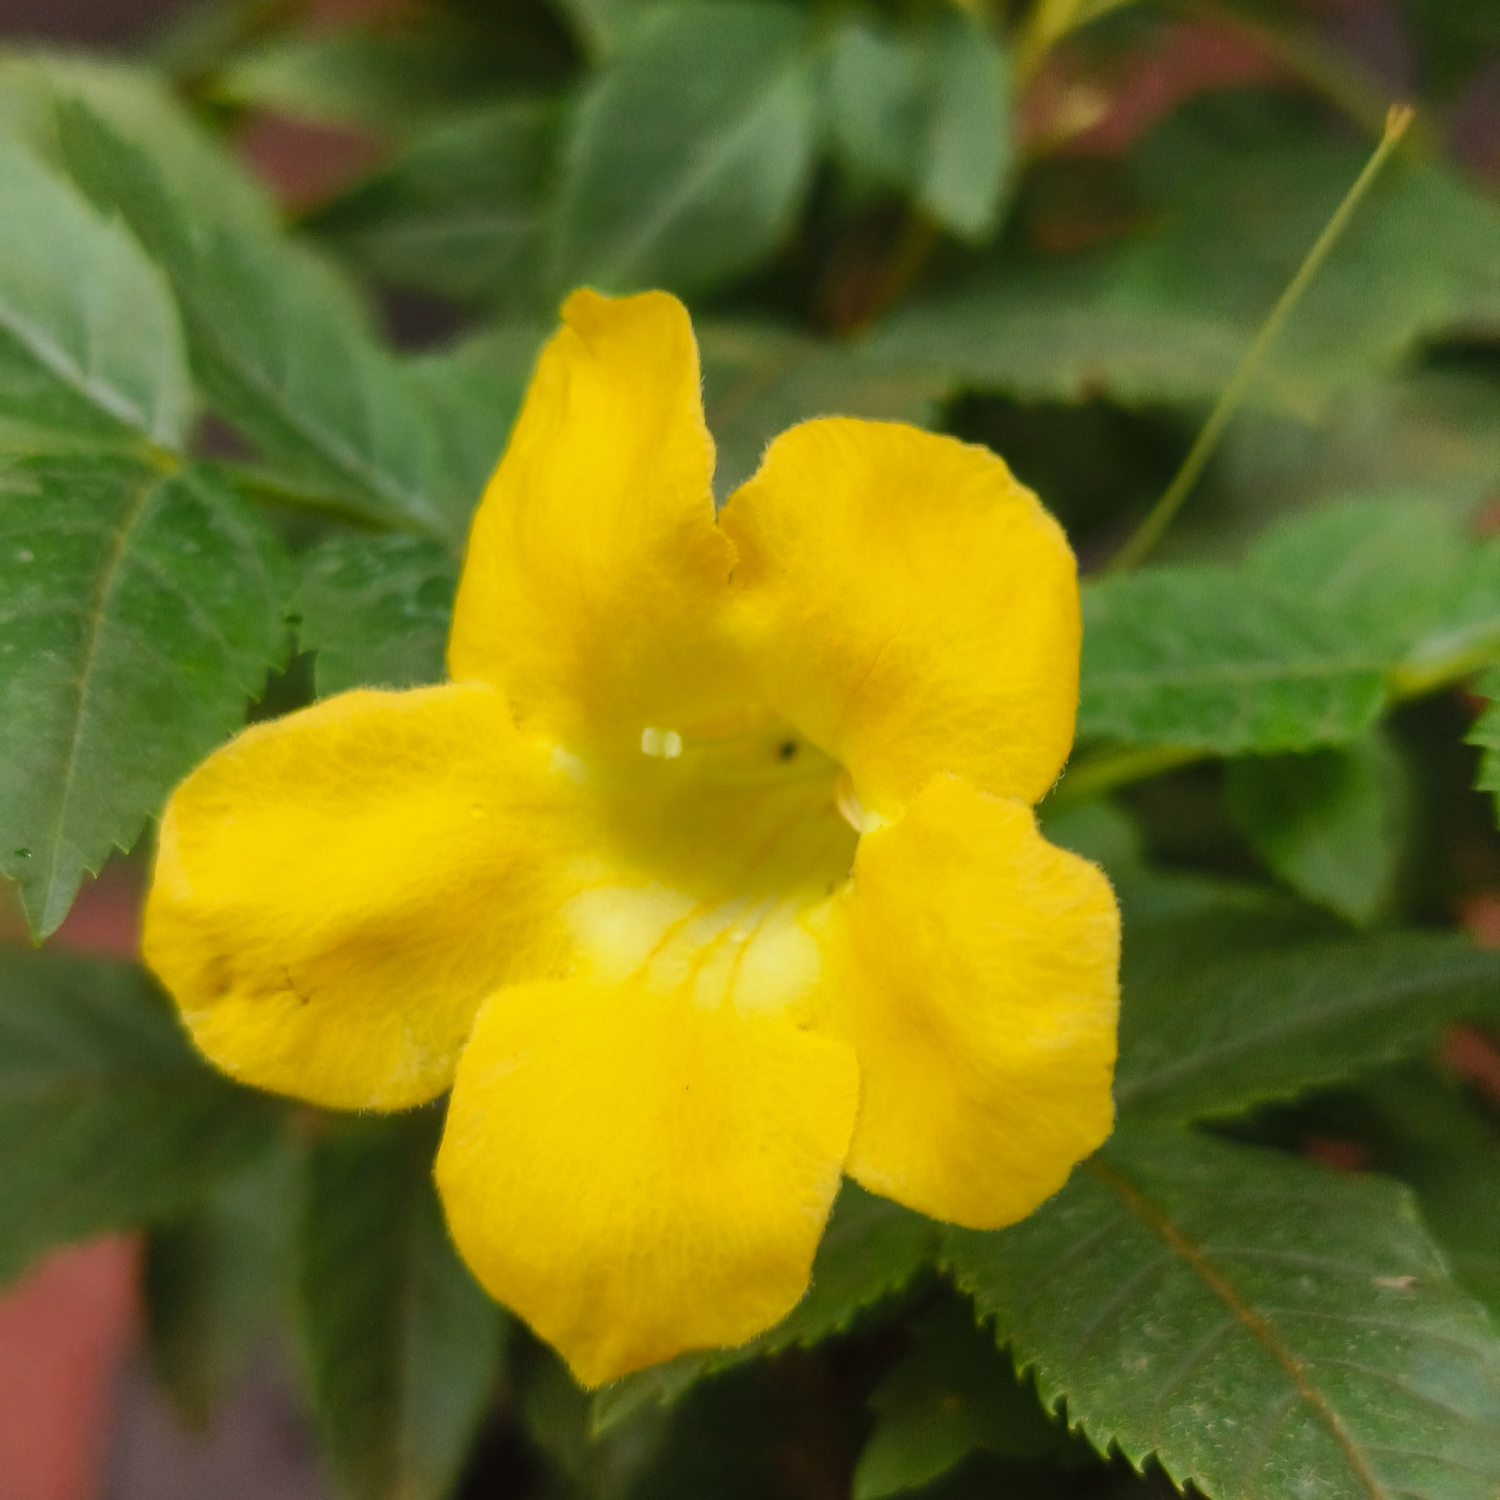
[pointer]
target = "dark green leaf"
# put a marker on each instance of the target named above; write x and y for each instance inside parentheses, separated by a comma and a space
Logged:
(1449, 1152)
(1046, 333)
(108, 1118)
(691, 152)
(954, 1393)
(758, 380)
(1166, 313)
(871, 1249)
(139, 609)
(383, 79)
(89, 337)
(1209, 658)
(1216, 1038)
(1486, 734)
(402, 1345)
(274, 344)
(1263, 1326)
(924, 109)
(471, 395)
(1331, 823)
(463, 213)
(376, 610)
(212, 1280)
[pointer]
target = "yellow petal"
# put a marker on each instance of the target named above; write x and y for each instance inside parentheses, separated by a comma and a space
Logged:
(636, 1173)
(336, 891)
(911, 608)
(978, 988)
(595, 567)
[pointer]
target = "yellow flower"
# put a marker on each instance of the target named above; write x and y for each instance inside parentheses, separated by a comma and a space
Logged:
(710, 874)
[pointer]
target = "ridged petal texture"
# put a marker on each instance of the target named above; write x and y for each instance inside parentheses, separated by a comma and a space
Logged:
(711, 874)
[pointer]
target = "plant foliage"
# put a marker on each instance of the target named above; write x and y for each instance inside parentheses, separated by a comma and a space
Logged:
(227, 487)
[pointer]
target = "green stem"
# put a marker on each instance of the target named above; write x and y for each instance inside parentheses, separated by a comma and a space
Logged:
(1162, 514)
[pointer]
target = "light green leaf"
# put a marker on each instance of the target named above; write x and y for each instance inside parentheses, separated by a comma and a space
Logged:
(954, 1393)
(108, 1118)
(871, 1250)
(1208, 658)
(1381, 569)
(759, 379)
(690, 154)
(1262, 1326)
(402, 1346)
(463, 213)
(212, 1279)
(141, 107)
(89, 338)
(376, 610)
(1331, 823)
(1213, 1039)
(275, 345)
(137, 608)
(925, 109)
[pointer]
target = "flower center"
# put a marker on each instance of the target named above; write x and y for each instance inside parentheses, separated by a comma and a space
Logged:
(721, 854)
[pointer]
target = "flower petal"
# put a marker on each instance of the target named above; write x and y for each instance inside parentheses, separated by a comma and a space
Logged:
(911, 608)
(336, 891)
(978, 987)
(636, 1173)
(595, 566)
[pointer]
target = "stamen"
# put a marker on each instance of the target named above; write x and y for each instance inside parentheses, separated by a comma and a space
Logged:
(848, 802)
(666, 743)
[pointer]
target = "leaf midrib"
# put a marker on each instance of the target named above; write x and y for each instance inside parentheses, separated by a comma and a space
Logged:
(702, 167)
(58, 363)
(1135, 1202)
(109, 578)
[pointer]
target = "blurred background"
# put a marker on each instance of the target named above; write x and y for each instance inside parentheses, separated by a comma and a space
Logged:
(80, 1417)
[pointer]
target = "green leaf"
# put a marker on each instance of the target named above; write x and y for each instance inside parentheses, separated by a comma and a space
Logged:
(1449, 1152)
(402, 1345)
(1045, 332)
(376, 610)
(275, 345)
(871, 1250)
(108, 1118)
(1213, 1039)
(471, 394)
(954, 1393)
(1485, 732)
(399, 75)
(1261, 1325)
(691, 153)
(139, 608)
(212, 1279)
(463, 213)
(1209, 658)
(1235, 218)
(141, 107)
(1433, 434)
(925, 109)
(1164, 314)
(89, 337)
(1331, 823)
(760, 379)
